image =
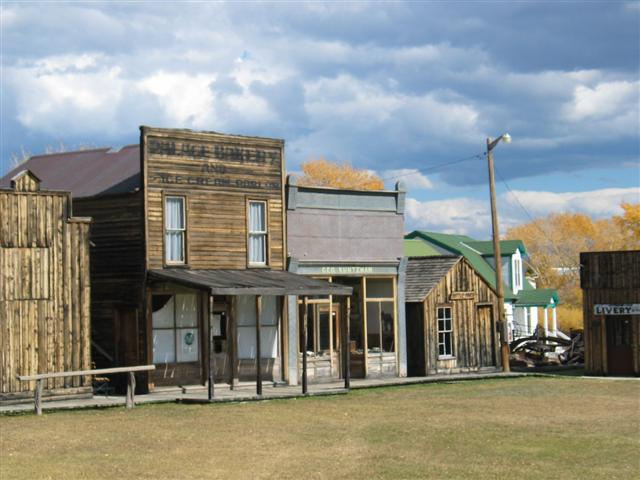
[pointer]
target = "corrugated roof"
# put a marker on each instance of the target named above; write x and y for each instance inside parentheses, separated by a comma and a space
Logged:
(424, 273)
(85, 173)
(250, 282)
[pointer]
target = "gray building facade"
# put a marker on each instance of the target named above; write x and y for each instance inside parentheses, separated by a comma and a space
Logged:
(353, 238)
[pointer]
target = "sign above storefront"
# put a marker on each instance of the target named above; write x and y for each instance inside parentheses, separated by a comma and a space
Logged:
(617, 309)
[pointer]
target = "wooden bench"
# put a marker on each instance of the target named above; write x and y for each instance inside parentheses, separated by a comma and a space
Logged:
(131, 384)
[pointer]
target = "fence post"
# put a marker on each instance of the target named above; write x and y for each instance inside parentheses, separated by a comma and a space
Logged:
(38, 397)
(131, 388)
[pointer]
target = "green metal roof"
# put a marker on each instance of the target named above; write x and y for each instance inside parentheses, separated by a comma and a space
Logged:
(539, 297)
(459, 244)
(419, 248)
(507, 247)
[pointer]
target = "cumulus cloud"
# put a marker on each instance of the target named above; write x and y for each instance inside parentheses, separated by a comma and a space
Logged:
(468, 216)
(411, 177)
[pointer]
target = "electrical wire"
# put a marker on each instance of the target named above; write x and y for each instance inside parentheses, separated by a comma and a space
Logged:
(434, 167)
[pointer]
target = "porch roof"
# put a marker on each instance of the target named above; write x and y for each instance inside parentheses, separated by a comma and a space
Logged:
(249, 282)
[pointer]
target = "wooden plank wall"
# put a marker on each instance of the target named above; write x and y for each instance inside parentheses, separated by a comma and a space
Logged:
(475, 343)
(216, 174)
(117, 268)
(608, 278)
(44, 290)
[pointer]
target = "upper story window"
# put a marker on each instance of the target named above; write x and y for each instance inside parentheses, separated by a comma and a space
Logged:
(257, 233)
(517, 274)
(174, 229)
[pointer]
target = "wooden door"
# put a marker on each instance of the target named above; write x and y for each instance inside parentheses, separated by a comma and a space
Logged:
(127, 344)
(219, 343)
(486, 336)
(619, 345)
(416, 366)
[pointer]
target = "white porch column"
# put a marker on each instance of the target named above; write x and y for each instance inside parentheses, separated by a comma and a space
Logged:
(546, 322)
(555, 322)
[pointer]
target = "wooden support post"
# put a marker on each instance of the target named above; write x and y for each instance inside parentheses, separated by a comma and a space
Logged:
(212, 360)
(555, 322)
(38, 397)
(258, 353)
(305, 316)
(347, 344)
(131, 389)
(232, 331)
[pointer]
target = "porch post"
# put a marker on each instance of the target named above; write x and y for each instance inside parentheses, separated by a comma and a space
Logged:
(258, 353)
(554, 321)
(347, 344)
(212, 360)
(546, 323)
(305, 316)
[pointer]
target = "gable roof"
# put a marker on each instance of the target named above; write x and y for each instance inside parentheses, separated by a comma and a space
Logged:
(85, 173)
(419, 248)
(459, 245)
(424, 273)
(537, 297)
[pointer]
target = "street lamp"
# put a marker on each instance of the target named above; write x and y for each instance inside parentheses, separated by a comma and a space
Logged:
(504, 330)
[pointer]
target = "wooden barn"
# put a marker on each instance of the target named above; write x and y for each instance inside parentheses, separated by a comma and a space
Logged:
(450, 317)
(44, 289)
(188, 254)
(610, 284)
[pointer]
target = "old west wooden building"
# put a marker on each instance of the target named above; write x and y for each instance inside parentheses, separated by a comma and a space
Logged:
(188, 262)
(610, 284)
(44, 288)
(450, 316)
(353, 238)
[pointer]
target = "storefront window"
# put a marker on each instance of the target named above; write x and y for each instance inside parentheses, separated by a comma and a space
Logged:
(175, 328)
(320, 334)
(380, 315)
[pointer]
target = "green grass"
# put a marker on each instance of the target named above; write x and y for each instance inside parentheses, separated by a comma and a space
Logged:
(517, 428)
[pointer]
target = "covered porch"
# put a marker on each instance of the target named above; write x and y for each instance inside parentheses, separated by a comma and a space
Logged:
(235, 323)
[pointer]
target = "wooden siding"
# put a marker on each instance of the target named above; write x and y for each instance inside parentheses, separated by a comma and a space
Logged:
(44, 290)
(117, 274)
(475, 344)
(608, 278)
(216, 174)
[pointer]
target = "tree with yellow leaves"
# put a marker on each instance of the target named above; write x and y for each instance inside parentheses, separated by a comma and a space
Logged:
(323, 173)
(554, 244)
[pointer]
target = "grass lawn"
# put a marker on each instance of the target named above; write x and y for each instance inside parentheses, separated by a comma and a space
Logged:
(518, 428)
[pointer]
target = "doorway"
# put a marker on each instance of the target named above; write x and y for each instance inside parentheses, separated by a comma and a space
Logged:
(619, 347)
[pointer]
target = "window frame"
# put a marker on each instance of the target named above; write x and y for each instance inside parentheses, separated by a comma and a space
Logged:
(379, 301)
(265, 233)
(183, 231)
(175, 328)
(449, 331)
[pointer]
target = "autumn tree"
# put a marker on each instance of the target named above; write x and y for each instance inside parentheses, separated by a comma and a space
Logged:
(323, 173)
(554, 244)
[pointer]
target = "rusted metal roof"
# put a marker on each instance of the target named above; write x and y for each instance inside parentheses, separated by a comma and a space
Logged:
(85, 173)
(249, 282)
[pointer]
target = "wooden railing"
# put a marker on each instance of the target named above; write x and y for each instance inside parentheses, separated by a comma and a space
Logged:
(131, 383)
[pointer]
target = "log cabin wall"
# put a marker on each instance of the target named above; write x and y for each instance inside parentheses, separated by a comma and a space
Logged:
(117, 277)
(473, 307)
(609, 278)
(44, 290)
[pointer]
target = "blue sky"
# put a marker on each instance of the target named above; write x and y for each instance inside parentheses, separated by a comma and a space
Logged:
(391, 87)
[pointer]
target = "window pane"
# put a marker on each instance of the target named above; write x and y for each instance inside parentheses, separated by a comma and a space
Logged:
(440, 313)
(257, 217)
(186, 310)
(174, 213)
(379, 288)
(323, 334)
(187, 344)
(257, 248)
(373, 326)
(388, 316)
(174, 246)
(163, 317)
(164, 346)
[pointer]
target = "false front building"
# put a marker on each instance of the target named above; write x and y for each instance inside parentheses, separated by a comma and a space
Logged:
(188, 254)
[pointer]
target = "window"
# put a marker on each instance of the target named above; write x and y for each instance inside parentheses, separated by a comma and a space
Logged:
(445, 330)
(322, 327)
(175, 328)
(380, 315)
(174, 230)
(517, 274)
(257, 233)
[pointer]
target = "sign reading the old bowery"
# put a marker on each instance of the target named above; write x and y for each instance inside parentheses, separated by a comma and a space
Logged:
(617, 309)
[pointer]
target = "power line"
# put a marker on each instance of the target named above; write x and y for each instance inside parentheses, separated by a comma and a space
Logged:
(434, 167)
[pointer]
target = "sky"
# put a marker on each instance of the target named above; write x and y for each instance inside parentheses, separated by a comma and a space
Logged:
(410, 90)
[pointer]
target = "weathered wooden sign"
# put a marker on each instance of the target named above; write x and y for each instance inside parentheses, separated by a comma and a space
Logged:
(617, 309)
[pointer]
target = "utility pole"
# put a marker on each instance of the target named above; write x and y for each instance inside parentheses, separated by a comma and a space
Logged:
(504, 329)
